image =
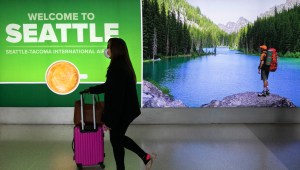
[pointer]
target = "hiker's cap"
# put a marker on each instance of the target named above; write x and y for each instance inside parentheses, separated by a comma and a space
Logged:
(263, 47)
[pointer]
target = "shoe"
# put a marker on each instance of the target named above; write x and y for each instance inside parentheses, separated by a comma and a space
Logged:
(262, 94)
(150, 161)
(268, 92)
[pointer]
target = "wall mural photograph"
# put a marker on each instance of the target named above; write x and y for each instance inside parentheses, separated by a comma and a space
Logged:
(208, 53)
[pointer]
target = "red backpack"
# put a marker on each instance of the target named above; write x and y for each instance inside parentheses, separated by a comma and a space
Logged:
(273, 61)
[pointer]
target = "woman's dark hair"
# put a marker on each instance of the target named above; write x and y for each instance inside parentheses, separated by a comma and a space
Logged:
(119, 51)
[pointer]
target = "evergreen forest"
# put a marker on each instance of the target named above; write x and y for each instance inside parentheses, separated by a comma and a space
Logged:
(167, 33)
(173, 28)
(281, 31)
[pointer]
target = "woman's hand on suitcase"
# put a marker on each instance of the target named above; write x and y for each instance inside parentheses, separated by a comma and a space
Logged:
(85, 91)
(105, 128)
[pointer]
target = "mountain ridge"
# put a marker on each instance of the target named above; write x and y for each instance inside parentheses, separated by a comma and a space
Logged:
(285, 6)
(234, 27)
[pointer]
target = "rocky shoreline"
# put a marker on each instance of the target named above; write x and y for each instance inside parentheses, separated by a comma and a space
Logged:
(251, 99)
(154, 98)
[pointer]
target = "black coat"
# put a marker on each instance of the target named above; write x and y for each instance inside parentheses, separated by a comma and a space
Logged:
(121, 103)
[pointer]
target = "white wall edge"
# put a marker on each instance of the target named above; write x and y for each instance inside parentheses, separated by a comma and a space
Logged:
(64, 115)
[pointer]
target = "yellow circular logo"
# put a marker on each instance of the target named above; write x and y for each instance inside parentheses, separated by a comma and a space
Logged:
(62, 77)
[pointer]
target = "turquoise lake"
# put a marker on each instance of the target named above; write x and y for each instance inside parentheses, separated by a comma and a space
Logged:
(198, 80)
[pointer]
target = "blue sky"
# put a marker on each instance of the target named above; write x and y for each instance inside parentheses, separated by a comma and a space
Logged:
(223, 11)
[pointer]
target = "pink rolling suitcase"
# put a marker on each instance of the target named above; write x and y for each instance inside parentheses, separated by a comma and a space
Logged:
(88, 141)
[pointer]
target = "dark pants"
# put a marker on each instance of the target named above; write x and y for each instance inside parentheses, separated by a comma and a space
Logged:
(119, 141)
(265, 73)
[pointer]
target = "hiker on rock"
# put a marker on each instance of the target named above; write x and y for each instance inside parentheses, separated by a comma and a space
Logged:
(264, 69)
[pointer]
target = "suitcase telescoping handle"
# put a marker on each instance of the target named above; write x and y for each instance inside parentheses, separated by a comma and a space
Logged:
(81, 110)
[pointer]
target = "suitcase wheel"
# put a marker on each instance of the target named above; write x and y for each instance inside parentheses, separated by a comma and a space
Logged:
(102, 166)
(79, 166)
